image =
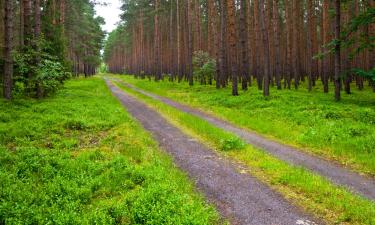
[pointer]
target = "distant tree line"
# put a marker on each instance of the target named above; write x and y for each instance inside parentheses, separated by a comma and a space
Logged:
(43, 42)
(278, 43)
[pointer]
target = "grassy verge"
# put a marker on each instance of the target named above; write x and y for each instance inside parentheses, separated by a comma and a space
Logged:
(315, 194)
(342, 131)
(78, 158)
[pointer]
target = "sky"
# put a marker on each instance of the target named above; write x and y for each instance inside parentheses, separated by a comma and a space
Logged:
(111, 14)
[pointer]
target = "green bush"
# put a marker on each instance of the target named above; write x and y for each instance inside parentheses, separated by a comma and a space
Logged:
(204, 67)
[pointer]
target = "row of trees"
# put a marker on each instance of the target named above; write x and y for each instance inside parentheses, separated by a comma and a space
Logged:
(273, 42)
(44, 41)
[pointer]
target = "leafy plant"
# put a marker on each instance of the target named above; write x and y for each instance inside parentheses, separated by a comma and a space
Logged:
(204, 67)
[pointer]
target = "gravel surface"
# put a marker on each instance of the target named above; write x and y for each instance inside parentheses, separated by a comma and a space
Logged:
(238, 196)
(339, 175)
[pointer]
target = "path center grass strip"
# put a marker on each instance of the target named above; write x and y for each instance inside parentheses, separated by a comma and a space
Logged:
(315, 194)
(341, 131)
(78, 158)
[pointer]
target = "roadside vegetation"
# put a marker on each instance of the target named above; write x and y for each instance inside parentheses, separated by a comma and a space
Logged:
(342, 131)
(333, 204)
(78, 158)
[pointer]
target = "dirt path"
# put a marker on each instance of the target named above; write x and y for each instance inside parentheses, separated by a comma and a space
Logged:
(239, 197)
(337, 174)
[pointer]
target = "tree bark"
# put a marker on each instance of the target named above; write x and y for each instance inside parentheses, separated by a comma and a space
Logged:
(8, 40)
(232, 44)
(157, 56)
(266, 58)
(190, 43)
(276, 27)
(244, 44)
(337, 49)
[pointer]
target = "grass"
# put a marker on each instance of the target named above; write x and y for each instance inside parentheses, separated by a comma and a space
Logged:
(341, 131)
(315, 194)
(78, 158)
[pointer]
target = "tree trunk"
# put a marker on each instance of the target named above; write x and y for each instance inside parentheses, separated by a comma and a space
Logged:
(179, 73)
(337, 49)
(276, 27)
(190, 43)
(8, 39)
(266, 58)
(27, 22)
(244, 44)
(327, 38)
(37, 32)
(157, 56)
(232, 44)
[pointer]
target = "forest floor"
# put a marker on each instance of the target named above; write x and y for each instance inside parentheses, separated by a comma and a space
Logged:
(79, 158)
(336, 205)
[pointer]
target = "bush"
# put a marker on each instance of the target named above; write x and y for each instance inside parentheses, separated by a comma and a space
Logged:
(204, 67)
(50, 76)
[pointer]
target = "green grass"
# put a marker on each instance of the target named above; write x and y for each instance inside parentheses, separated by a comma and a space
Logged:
(78, 158)
(342, 131)
(315, 194)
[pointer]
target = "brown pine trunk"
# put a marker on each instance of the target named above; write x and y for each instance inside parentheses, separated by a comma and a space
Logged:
(276, 30)
(8, 41)
(223, 50)
(22, 24)
(190, 43)
(311, 42)
(337, 49)
(289, 47)
(327, 39)
(232, 44)
(27, 22)
(157, 55)
(179, 73)
(37, 32)
(244, 44)
(296, 40)
(266, 58)
(258, 44)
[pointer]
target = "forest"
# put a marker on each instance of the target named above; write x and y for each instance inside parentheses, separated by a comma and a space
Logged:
(46, 42)
(268, 43)
(243, 112)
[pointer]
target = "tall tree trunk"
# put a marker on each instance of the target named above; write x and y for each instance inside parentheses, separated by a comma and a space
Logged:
(223, 50)
(296, 40)
(232, 44)
(190, 43)
(37, 33)
(8, 39)
(157, 56)
(244, 44)
(27, 22)
(22, 24)
(266, 58)
(179, 73)
(276, 27)
(327, 38)
(258, 43)
(311, 39)
(337, 49)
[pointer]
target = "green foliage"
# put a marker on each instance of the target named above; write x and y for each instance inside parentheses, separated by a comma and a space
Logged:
(68, 161)
(232, 143)
(366, 74)
(50, 76)
(204, 67)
